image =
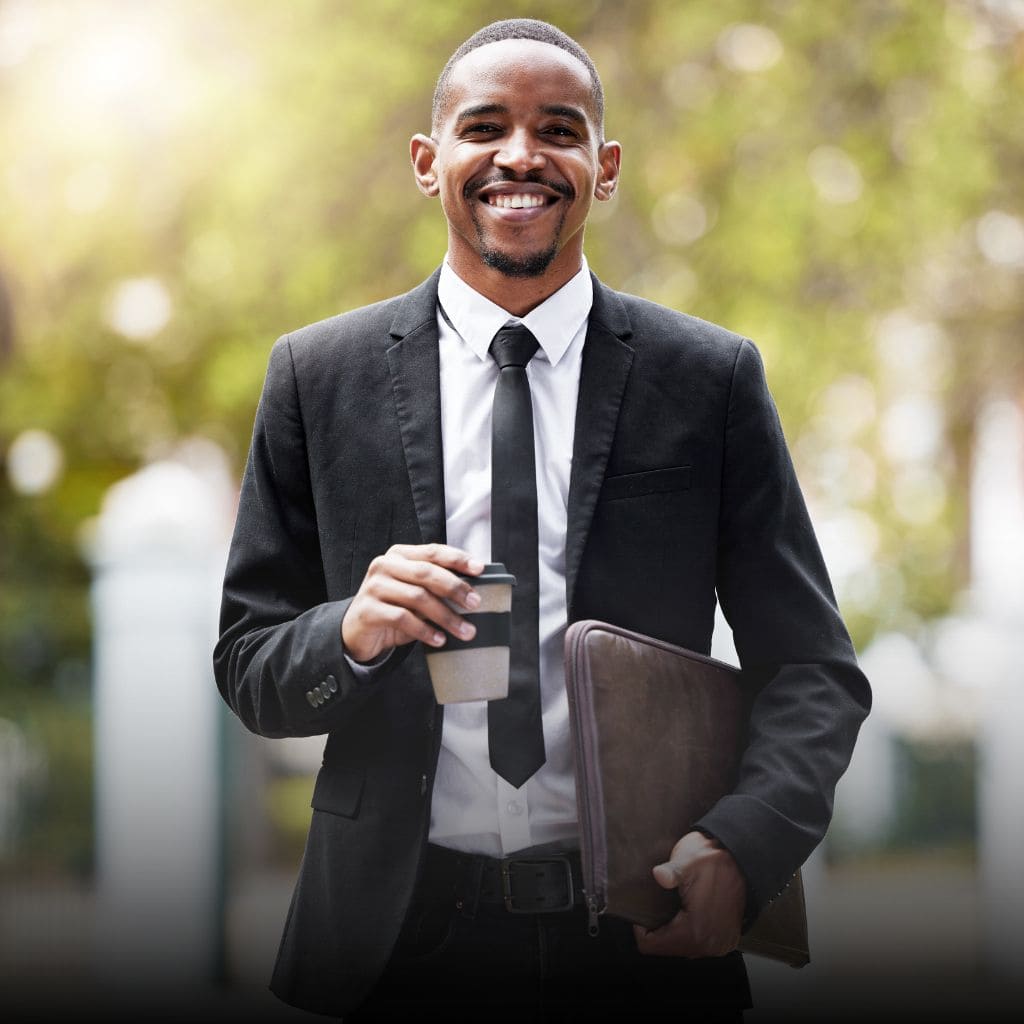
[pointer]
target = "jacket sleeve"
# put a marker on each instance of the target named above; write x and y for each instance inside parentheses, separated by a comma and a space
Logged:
(279, 662)
(810, 697)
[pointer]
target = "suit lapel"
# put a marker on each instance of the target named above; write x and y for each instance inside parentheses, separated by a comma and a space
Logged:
(416, 385)
(606, 363)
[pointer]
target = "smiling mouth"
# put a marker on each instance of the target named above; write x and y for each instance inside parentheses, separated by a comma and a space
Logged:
(517, 200)
(507, 194)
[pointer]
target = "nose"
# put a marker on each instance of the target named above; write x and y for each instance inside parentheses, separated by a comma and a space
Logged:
(519, 152)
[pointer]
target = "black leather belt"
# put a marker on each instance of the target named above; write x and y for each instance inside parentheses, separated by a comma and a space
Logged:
(522, 884)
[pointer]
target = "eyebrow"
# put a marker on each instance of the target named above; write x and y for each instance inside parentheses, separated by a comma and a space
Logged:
(553, 110)
(559, 110)
(481, 110)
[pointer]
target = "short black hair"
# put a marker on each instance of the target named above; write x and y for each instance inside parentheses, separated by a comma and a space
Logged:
(518, 28)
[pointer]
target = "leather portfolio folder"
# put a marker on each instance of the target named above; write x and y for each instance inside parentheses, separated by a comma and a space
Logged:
(657, 734)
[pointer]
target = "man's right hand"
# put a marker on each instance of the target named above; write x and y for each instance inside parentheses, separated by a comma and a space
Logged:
(402, 598)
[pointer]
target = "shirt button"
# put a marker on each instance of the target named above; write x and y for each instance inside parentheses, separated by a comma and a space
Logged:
(514, 807)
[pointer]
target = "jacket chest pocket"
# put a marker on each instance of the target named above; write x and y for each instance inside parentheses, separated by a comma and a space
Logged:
(651, 481)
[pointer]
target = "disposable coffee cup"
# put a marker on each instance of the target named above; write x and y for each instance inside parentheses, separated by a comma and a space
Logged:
(477, 669)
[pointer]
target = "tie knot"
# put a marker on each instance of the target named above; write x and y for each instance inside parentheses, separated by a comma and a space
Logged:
(513, 346)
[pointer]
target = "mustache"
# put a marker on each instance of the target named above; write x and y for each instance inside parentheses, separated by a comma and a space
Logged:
(532, 178)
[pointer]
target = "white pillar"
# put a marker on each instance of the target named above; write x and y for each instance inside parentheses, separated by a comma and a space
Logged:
(158, 562)
(997, 591)
(997, 514)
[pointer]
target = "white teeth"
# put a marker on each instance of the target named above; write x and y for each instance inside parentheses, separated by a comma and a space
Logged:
(518, 201)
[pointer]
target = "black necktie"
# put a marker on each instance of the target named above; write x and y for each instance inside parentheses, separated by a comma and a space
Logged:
(515, 735)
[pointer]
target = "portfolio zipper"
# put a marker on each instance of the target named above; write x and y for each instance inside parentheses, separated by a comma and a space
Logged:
(592, 853)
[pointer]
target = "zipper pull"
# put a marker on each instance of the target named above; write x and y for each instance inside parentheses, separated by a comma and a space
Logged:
(592, 926)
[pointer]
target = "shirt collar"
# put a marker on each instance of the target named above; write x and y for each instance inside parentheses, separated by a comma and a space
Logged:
(554, 323)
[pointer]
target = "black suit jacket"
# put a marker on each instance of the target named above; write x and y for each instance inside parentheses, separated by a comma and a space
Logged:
(681, 487)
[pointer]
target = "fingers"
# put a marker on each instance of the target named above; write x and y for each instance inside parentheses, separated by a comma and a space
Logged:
(685, 935)
(692, 853)
(712, 892)
(673, 939)
(403, 597)
(440, 554)
(421, 578)
(667, 875)
(424, 610)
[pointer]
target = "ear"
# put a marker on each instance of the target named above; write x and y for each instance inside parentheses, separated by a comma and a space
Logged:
(609, 158)
(423, 151)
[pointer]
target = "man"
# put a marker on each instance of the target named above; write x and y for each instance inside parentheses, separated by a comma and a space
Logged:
(661, 475)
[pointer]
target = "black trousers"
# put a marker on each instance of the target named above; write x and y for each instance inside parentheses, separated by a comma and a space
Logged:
(456, 961)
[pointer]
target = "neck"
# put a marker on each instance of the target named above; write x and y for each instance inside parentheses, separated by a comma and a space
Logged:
(517, 295)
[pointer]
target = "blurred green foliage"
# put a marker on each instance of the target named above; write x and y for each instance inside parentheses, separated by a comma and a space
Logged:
(935, 799)
(934, 808)
(814, 175)
(286, 801)
(54, 828)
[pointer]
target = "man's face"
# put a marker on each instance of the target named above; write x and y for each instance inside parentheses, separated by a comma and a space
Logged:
(517, 160)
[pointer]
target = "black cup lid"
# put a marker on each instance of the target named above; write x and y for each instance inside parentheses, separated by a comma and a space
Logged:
(494, 572)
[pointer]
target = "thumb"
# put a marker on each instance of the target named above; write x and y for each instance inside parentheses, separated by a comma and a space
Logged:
(666, 875)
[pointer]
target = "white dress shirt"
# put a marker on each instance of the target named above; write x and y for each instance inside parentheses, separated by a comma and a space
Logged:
(474, 809)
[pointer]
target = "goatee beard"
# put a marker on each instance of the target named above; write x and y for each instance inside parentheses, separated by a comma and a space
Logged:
(532, 265)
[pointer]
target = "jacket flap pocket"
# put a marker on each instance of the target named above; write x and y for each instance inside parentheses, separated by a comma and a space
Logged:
(653, 481)
(339, 790)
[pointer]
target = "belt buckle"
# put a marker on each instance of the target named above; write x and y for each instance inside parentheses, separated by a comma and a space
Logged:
(510, 897)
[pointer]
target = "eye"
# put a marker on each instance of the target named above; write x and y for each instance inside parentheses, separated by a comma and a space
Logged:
(482, 129)
(562, 131)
